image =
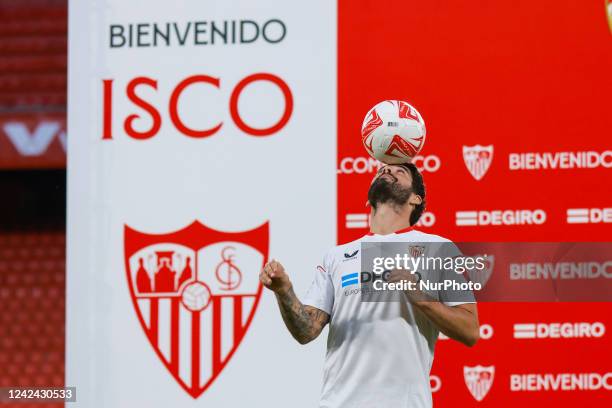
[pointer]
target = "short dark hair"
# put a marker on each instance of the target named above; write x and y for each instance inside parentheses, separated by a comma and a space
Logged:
(418, 186)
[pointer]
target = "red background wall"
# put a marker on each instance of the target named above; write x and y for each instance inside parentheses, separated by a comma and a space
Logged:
(523, 76)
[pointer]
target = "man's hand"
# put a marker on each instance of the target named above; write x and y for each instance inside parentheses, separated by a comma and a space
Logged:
(304, 322)
(415, 295)
(457, 322)
(274, 277)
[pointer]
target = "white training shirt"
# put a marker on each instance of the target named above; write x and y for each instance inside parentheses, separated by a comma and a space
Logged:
(379, 355)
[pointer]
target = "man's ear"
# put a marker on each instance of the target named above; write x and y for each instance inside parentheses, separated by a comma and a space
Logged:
(415, 199)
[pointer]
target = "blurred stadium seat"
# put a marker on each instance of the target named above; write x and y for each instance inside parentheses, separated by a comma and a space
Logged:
(32, 325)
(33, 48)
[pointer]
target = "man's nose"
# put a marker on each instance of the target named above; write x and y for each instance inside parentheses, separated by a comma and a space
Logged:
(386, 170)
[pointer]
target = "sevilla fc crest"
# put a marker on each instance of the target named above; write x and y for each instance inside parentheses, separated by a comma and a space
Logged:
(195, 292)
(478, 380)
(482, 275)
(478, 159)
(416, 250)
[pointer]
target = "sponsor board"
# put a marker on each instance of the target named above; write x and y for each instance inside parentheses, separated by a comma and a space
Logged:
(560, 270)
(560, 382)
(368, 165)
(560, 160)
(500, 217)
(559, 330)
(589, 215)
(195, 123)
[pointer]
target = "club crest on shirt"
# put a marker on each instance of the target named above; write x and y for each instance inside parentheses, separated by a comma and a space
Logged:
(416, 250)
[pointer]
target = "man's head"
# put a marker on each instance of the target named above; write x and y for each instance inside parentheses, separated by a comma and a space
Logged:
(399, 185)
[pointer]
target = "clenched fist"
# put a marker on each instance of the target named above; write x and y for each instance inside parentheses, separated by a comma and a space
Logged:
(415, 295)
(274, 277)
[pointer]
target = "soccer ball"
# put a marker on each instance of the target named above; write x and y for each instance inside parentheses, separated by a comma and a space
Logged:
(393, 132)
(196, 296)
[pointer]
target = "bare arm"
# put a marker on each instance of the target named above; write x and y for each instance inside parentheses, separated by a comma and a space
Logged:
(304, 323)
(457, 322)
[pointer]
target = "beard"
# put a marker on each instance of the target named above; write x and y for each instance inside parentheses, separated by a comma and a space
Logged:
(387, 190)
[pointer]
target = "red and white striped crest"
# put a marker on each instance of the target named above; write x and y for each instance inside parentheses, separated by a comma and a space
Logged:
(478, 159)
(479, 380)
(482, 275)
(416, 250)
(195, 292)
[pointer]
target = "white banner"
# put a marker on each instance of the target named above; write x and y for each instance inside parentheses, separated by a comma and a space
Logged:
(203, 143)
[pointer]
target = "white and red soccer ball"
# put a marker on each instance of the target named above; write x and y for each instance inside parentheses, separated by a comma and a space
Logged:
(393, 132)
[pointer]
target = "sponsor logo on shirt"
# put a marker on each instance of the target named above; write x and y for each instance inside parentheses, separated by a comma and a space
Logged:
(350, 279)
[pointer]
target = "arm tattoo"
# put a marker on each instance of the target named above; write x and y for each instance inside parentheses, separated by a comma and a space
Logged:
(304, 322)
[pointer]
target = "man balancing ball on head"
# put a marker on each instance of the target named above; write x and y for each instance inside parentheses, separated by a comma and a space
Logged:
(379, 354)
